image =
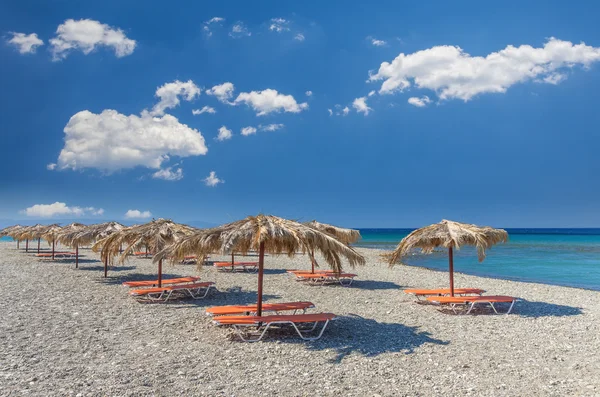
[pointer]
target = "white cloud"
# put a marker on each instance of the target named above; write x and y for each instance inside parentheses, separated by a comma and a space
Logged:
(137, 214)
(378, 43)
(205, 109)
(86, 35)
(308, 93)
(224, 134)
(330, 112)
(223, 92)
(270, 127)
(212, 180)
(299, 37)
(553, 78)
(110, 141)
(25, 43)
(169, 94)
(345, 111)
(279, 25)
(371, 93)
(239, 30)
(215, 20)
(168, 174)
(419, 102)
(269, 100)
(58, 208)
(248, 131)
(51, 166)
(453, 73)
(360, 104)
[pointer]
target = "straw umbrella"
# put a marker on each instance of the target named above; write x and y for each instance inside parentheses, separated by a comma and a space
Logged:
(156, 235)
(28, 233)
(11, 231)
(94, 233)
(49, 233)
(263, 233)
(346, 236)
(449, 234)
(68, 236)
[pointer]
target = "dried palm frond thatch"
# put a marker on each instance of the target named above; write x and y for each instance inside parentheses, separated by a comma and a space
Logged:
(155, 235)
(346, 236)
(92, 233)
(448, 234)
(7, 231)
(69, 233)
(263, 233)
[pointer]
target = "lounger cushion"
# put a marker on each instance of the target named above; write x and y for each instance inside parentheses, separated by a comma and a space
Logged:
(295, 318)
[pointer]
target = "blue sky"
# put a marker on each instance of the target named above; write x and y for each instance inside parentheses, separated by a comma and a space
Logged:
(509, 140)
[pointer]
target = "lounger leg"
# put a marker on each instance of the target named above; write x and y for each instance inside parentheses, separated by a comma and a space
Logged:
(301, 334)
(493, 307)
(472, 305)
(511, 306)
(197, 294)
(241, 334)
(346, 283)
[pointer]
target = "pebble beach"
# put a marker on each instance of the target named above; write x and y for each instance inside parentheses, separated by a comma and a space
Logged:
(71, 332)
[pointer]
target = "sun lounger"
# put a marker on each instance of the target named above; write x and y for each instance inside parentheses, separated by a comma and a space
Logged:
(251, 309)
(345, 279)
(142, 253)
(420, 293)
(470, 301)
(154, 283)
(251, 267)
(263, 323)
(57, 255)
(192, 259)
(164, 293)
(296, 272)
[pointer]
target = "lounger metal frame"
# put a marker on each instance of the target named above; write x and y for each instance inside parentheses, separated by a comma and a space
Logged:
(278, 312)
(245, 267)
(470, 305)
(324, 279)
(421, 297)
(301, 333)
(165, 294)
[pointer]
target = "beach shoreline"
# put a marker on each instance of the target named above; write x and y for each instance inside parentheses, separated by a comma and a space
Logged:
(69, 331)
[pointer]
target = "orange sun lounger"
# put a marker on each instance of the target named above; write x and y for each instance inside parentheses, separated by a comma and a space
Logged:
(345, 279)
(297, 272)
(419, 293)
(231, 267)
(471, 301)
(61, 255)
(251, 309)
(263, 323)
(164, 293)
(153, 283)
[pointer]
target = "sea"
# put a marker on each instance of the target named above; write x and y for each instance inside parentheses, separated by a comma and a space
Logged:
(567, 257)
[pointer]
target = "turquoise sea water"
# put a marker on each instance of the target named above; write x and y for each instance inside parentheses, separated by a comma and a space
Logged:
(569, 257)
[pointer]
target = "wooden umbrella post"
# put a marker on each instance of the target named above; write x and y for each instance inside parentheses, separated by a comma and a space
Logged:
(312, 259)
(106, 267)
(18, 244)
(76, 256)
(27, 245)
(261, 265)
(451, 270)
(38, 245)
(160, 273)
(232, 259)
(52, 249)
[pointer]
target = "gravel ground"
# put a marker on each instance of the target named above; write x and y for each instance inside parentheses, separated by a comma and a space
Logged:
(67, 331)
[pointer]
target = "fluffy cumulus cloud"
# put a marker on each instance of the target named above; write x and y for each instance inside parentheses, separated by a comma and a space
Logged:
(110, 141)
(270, 127)
(239, 30)
(168, 174)
(212, 180)
(223, 92)
(454, 74)
(169, 94)
(248, 131)
(205, 109)
(345, 111)
(378, 43)
(360, 105)
(299, 37)
(212, 21)
(308, 93)
(269, 100)
(419, 102)
(137, 214)
(279, 25)
(60, 209)
(51, 166)
(25, 43)
(224, 134)
(86, 35)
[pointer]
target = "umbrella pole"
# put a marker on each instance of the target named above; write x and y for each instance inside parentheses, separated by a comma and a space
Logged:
(52, 249)
(106, 267)
(451, 270)
(160, 273)
(76, 256)
(38, 245)
(27, 245)
(232, 259)
(18, 244)
(312, 260)
(261, 265)
(146, 251)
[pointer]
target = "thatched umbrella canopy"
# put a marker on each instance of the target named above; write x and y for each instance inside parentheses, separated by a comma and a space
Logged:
(263, 233)
(11, 231)
(68, 235)
(29, 233)
(155, 235)
(346, 236)
(449, 234)
(49, 233)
